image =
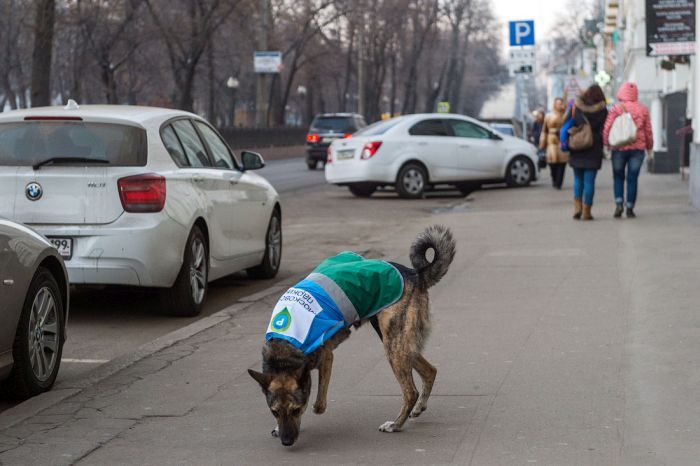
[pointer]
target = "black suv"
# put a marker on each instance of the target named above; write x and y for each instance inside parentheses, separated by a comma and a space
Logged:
(326, 128)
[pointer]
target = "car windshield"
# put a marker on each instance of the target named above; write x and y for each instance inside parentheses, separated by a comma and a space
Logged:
(334, 124)
(76, 142)
(380, 127)
(504, 129)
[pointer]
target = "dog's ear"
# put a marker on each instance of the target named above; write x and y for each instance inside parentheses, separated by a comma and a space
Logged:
(263, 379)
(303, 375)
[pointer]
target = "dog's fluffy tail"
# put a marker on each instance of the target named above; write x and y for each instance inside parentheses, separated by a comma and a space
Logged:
(439, 239)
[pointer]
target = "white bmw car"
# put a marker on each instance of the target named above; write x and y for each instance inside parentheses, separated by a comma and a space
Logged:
(416, 152)
(139, 196)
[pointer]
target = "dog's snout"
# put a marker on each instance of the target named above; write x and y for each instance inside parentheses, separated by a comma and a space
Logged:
(287, 442)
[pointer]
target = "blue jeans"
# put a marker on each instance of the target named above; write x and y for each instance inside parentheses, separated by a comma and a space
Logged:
(584, 184)
(632, 159)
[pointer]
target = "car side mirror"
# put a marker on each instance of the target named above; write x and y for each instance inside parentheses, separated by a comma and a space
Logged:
(252, 160)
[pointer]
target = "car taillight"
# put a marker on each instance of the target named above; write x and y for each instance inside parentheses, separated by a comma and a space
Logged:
(370, 149)
(347, 135)
(329, 159)
(312, 138)
(142, 193)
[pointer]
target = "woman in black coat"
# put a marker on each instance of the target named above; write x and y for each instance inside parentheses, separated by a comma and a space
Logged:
(586, 162)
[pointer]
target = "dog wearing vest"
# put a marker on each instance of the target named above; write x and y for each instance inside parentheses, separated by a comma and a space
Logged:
(314, 316)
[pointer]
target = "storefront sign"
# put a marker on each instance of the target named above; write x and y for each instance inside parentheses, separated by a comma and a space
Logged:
(670, 27)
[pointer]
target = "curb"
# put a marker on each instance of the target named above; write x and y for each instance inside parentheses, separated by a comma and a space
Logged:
(34, 406)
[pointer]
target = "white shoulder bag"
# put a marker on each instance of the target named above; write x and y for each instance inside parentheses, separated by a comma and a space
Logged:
(623, 130)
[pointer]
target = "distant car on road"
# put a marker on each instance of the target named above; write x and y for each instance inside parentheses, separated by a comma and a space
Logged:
(139, 196)
(325, 129)
(416, 152)
(33, 311)
(504, 128)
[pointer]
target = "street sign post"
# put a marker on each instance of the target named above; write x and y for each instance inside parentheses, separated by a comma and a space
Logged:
(521, 61)
(522, 33)
(267, 62)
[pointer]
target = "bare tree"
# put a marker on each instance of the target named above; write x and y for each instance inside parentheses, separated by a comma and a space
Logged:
(186, 28)
(41, 57)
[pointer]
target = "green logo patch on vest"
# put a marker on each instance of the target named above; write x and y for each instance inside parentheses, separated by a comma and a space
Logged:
(281, 321)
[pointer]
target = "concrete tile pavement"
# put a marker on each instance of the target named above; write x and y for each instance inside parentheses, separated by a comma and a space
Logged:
(557, 342)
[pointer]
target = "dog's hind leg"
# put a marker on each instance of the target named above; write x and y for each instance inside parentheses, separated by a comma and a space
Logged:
(325, 366)
(427, 374)
(403, 370)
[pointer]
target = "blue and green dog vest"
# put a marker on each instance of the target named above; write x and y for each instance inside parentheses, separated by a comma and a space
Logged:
(342, 290)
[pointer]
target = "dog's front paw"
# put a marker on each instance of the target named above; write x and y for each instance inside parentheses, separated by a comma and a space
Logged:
(389, 426)
(319, 408)
(275, 432)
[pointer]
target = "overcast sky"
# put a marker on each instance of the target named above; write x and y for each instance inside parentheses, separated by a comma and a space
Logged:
(542, 11)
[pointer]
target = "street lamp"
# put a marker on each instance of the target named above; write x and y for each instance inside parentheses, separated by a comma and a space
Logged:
(301, 92)
(232, 83)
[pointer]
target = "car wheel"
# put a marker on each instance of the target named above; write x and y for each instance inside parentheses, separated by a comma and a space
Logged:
(311, 164)
(519, 172)
(39, 339)
(270, 264)
(362, 190)
(188, 293)
(412, 181)
(469, 187)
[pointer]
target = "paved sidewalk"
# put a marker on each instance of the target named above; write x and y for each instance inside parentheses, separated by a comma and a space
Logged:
(557, 342)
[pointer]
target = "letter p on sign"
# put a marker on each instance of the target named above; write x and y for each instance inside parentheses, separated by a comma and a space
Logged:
(522, 33)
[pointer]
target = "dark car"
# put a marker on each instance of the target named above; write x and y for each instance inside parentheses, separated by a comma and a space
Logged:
(33, 311)
(326, 128)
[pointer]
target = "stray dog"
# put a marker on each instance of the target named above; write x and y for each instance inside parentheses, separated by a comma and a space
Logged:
(314, 317)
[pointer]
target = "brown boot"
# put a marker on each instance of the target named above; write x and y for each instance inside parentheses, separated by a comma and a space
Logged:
(587, 213)
(578, 206)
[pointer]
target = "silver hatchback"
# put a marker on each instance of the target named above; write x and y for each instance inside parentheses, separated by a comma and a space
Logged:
(34, 297)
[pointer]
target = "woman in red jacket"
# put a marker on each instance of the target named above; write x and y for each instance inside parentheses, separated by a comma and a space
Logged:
(630, 156)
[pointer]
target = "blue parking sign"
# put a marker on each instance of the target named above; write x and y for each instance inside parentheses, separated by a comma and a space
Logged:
(522, 33)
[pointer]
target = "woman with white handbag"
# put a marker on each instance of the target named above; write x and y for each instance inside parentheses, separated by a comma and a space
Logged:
(628, 133)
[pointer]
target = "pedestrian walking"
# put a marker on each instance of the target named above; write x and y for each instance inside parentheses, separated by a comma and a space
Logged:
(549, 140)
(588, 109)
(536, 128)
(627, 159)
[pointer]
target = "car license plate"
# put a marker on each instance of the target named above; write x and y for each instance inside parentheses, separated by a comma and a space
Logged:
(346, 154)
(330, 139)
(64, 246)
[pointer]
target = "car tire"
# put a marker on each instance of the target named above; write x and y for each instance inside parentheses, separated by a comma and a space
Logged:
(270, 264)
(362, 190)
(311, 164)
(468, 187)
(412, 181)
(519, 172)
(189, 292)
(38, 343)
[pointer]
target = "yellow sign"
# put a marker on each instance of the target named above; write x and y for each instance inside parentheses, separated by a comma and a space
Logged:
(443, 107)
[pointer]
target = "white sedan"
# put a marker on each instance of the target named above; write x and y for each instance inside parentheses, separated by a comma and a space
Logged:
(139, 196)
(416, 152)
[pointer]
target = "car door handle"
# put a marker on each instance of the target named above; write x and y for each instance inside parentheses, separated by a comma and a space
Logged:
(197, 178)
(466, 146)
(422, 143)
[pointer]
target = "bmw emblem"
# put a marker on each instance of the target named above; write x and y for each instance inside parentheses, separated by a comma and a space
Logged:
(33, 191)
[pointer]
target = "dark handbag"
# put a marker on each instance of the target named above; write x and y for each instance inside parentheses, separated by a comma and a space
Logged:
(581, 136)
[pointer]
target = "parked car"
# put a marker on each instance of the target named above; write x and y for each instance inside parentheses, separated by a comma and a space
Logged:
(327, 128)
(139, 196)
(33, 311)
(417, 152)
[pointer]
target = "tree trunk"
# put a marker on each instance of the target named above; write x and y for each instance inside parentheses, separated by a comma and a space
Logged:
(41, 57)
